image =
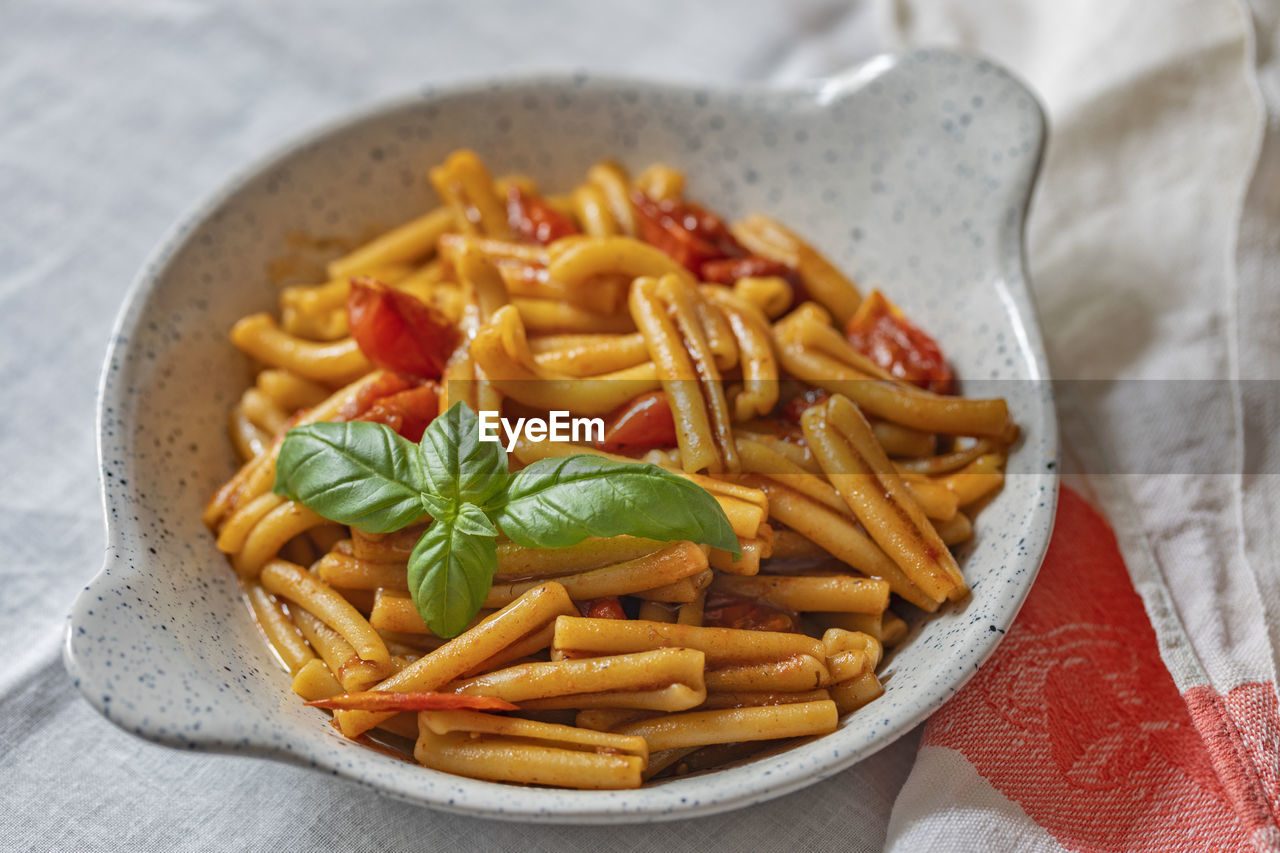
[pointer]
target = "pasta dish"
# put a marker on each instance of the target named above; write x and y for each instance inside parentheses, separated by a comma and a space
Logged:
(593, 489)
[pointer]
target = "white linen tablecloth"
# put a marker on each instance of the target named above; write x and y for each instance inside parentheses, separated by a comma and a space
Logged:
(119, 115)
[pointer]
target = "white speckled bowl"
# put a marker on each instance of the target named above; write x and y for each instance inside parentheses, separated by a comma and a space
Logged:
(912, 172)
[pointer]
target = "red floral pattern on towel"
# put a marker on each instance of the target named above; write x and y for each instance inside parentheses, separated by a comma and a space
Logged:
(1077, 720)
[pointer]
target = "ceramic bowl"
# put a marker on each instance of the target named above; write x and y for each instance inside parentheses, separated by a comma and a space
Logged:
(911, 172)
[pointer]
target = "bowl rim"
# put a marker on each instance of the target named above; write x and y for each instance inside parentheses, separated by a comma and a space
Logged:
(596, 806)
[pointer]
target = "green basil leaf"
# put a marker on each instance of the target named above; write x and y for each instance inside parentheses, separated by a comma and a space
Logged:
(554, 503)
(357, 473)
(451, 569)
(436, 506)
(457, 464)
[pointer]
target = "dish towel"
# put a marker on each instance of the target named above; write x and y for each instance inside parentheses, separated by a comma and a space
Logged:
(1075, 736)
(1133, 704)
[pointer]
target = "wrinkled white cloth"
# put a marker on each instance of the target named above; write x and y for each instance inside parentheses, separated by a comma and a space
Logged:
(119, 115)
(1153, 254)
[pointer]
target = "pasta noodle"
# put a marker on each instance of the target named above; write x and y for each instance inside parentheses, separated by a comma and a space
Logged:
(511, 750)
(284, 637)
(413, 241)
(315, 681)
(270, 534)
(837, 293)
(346, 666)
(732, 355)
(759, 392)
(293, 582)
(585, 355)
(464, 184)
(661, 182)
(525, 616)
(837, 592)
(734, 725)
(331, 363)
(665, 312)
(649, 572)
(660, 680)
(863, 475)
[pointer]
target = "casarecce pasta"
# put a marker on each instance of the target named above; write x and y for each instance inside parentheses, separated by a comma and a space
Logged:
(735, 357)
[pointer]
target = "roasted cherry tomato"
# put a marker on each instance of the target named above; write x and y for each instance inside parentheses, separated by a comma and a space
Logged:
(729, 270)
(644, 423)
(408, 412)
(880, 331)
(729, 611)
(382, 386)
(797, 405)
(690, 234)
(398, 331)
(602, 608)
(533, 219)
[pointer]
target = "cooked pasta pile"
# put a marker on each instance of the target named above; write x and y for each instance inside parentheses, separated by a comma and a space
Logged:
(734, 355)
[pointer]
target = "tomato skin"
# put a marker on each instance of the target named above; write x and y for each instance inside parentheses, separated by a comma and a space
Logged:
(729, 270)
(609, 607)
(797, 405)
(728, 611)
(644, 423)
(409, 412)
(700, 241)
(880, 331)
(383, 386)
(535, 220)
(690, 234)
(397, 331)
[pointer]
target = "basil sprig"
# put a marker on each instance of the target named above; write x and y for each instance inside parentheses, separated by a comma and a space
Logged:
(558, 502)
(357, 473)
(365, 475)
(451, 568)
